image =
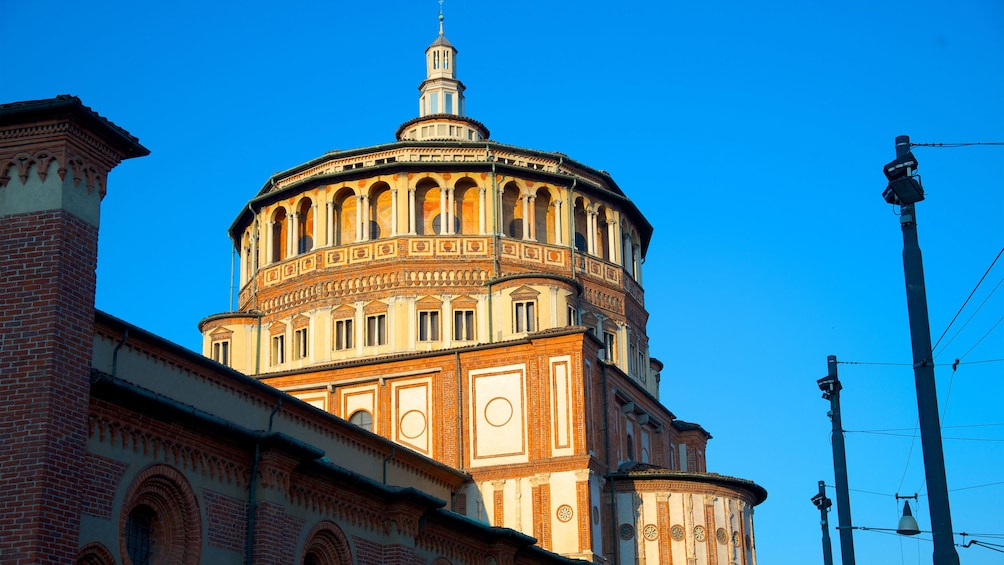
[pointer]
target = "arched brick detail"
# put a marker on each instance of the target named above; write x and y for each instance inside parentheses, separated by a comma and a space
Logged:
(167, 492)
(95, 553)
(328, 544)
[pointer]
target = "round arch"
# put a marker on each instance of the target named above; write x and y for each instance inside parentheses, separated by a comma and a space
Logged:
(326, 545)
(280, 232)
(381, 211)
(95, 553)
(160, 517)
(467, 204)
(343, 216)
(428, 196)
(304, 225)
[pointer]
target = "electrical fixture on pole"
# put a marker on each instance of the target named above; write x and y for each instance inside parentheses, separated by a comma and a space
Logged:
(823, 504)
(830, 385)
(904, 189)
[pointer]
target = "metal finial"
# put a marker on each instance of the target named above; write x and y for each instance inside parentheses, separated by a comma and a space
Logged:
(440, 17)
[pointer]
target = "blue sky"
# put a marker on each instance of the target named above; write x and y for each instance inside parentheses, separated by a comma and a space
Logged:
(751, 134)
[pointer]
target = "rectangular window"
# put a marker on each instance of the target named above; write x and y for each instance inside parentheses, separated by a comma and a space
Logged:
(343, 334)
(573, 316)
(632, 367)
(376, 330)
(433, 102)
(300, 343)
(221, 352)
(463, 325)
(428, 325)
(526, 318)
(610, 344)
(278, 349)
(448, 103)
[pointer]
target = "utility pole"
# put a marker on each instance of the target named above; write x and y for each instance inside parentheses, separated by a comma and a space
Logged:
(905, 190)
(823, 504)
(830, 385)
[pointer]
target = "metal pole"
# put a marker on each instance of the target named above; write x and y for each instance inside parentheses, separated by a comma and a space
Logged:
(823, 504)
(923, 370)
(830, 385)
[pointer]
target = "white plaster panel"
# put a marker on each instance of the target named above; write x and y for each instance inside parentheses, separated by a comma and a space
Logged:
(498, 415)
(601, 522)
(361, 397)
(626, 515)
(315, 399)
(564, 535)
(722, 521)
(701, 548)
(649, 516)
(412, 413)
(561, 403)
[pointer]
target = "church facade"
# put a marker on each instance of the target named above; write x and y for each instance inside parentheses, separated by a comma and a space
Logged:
(481, 305)
(122, 448)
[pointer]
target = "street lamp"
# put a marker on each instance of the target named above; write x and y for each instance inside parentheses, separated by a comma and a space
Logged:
(905, 190)
(907, 524)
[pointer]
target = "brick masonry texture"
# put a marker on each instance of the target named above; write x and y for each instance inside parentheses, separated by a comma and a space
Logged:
(47, 262)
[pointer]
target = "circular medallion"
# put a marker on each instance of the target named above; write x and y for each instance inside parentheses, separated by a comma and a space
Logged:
(735, 538)
(626, 531)
(565, 513)
(699, 533)
(722, 536)
(412, 424)
(651, 532)
(676, 532)
(498, 412)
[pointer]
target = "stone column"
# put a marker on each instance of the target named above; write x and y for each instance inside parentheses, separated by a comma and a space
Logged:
(482, 210)
(447, 326)
(269, 254)
(294, 235)
(365, 227)
(526, 217)
(559, 236)
(412, 220)
(636, 262)
(612, 229)
(450, 212)
(315, 228)
(442, 212)
(329, 222)
(359, 332)
(393, 212)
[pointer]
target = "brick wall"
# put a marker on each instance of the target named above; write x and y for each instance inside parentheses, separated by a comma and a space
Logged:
(47, 262)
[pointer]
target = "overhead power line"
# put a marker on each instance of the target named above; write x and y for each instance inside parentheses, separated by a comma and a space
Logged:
(968, 298)
(949, 145)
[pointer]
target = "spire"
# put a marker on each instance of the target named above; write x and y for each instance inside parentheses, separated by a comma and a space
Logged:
(441, 18)
(442, 93)
(441, 98)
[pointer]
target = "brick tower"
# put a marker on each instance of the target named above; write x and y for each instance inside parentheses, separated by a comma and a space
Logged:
(55, 156)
